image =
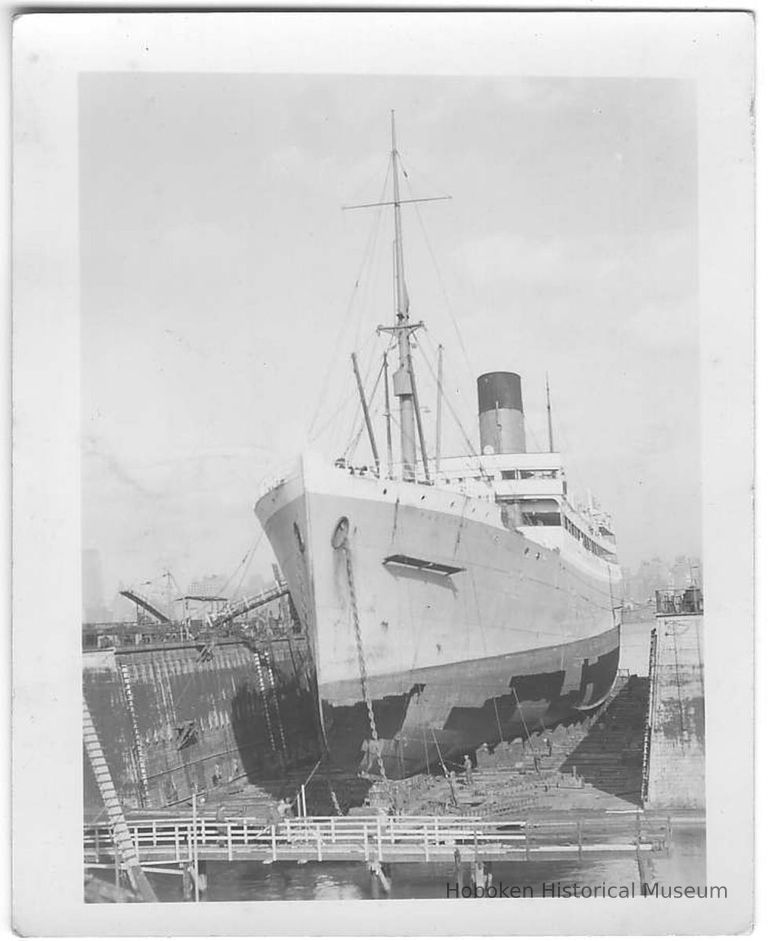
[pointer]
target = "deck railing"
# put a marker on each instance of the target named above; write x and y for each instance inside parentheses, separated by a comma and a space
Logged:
(672, 601)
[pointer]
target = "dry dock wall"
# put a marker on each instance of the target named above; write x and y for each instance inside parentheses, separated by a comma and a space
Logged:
(674, 762)
(170, 718)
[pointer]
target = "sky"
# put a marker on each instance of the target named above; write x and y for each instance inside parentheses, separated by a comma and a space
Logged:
(223, 288)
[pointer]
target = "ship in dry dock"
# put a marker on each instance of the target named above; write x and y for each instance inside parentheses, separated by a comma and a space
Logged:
(449, 601)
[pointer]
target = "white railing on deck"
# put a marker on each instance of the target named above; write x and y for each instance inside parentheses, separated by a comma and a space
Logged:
(375, 836)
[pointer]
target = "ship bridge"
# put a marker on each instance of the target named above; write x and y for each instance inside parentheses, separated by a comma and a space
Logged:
(533, 490)
(528, 475)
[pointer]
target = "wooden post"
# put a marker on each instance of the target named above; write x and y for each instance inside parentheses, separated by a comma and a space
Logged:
(377, 872)
(176, 842)
(274, 844)
(459, 869)
(378, 836)
(366, 850)
(229, 841)
(319, 845)
(426, 844)
(194, 846)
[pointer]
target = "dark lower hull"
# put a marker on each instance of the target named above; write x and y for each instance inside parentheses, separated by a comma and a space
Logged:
(452, 710)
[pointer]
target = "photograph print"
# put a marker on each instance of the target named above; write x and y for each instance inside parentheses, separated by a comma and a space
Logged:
(401, 453)
(391, 494)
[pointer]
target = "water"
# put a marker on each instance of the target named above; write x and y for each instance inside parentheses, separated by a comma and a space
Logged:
(245, 881)
(635, 646)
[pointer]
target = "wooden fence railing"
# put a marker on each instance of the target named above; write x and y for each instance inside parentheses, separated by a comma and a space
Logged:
(378, 837)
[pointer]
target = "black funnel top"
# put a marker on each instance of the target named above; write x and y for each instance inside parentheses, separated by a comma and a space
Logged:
(500, 389)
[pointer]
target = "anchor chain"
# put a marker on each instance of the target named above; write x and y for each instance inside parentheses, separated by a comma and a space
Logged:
(361, 657)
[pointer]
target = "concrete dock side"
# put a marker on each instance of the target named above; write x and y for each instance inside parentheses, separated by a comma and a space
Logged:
(674, 772)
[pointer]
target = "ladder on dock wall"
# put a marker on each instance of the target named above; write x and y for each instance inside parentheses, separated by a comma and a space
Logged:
(264, 673)
(652, 682)
(138, 750)
(275, 699)
(123, 839)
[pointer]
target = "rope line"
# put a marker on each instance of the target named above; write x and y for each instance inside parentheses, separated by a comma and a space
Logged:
(367, 254)
(355, 439)
(454, 415)
(441, 282)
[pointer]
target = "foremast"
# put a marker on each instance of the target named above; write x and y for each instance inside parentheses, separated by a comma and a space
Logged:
(403, 379)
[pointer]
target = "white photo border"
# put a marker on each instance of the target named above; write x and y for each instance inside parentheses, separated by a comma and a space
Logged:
(50, 51)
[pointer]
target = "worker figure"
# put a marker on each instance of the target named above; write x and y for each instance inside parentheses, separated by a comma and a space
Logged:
(284, 808)
(216, 775)
(366, 761)
(548, 743)
(468, 770)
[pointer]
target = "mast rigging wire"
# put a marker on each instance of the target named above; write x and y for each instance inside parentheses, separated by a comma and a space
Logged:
(441, 282)
(367, 253)
(351, 447)
(451, 409)
(357, 409)
(353, 436)
(460, 396)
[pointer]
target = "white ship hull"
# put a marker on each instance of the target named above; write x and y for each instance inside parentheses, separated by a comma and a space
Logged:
(468, 631)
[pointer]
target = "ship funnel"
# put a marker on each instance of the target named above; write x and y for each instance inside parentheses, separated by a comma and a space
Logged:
(500, 406)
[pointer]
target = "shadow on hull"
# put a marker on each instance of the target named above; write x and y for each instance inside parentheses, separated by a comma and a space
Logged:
(445, 716)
